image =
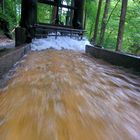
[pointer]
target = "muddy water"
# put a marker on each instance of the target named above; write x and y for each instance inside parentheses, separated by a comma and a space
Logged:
(60, 95)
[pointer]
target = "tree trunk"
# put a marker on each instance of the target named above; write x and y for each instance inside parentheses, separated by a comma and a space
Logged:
(121, 25)
(93, 40)
(104, 22)
(112, 11)
(85, 19)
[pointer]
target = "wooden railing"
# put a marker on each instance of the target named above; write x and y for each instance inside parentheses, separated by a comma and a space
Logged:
(41, 31)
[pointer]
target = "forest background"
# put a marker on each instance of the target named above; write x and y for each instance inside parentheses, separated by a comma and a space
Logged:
(10, 11)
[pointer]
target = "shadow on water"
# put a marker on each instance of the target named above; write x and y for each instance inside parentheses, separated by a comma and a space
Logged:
(65, 95)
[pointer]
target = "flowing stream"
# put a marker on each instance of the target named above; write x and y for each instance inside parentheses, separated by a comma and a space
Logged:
(66, 95)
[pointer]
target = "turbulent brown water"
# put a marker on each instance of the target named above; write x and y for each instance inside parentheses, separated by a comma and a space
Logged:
(63, 95)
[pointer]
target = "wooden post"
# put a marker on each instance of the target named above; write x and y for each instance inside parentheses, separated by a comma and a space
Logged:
(57, 12)
(28, 19)
(121, 25)
(28, 13)
(71, 13)
(78, 20)
(54, 12)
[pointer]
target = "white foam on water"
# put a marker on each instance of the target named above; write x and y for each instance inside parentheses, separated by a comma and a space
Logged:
(60, 43)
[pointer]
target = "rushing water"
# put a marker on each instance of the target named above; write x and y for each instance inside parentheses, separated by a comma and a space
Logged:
(63, 95)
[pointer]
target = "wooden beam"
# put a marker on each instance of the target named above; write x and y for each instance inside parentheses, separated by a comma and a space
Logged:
(53, 3)
(48, 2)
(69, 7)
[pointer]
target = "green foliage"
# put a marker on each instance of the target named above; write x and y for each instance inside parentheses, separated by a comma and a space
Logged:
(131, 39)
(44, 13)
(11, 12)
(132, 29)
(91, 9)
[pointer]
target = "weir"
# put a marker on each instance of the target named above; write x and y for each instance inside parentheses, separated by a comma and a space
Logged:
(30, 27)
(60, 90)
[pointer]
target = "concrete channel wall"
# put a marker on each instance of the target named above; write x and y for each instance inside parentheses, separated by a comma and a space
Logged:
(8, 60)
(115, 58)
(6, 45)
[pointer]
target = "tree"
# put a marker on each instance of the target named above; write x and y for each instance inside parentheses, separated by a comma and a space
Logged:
(93, 40)
(121, 25)
(104, 22)
(112, 11)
